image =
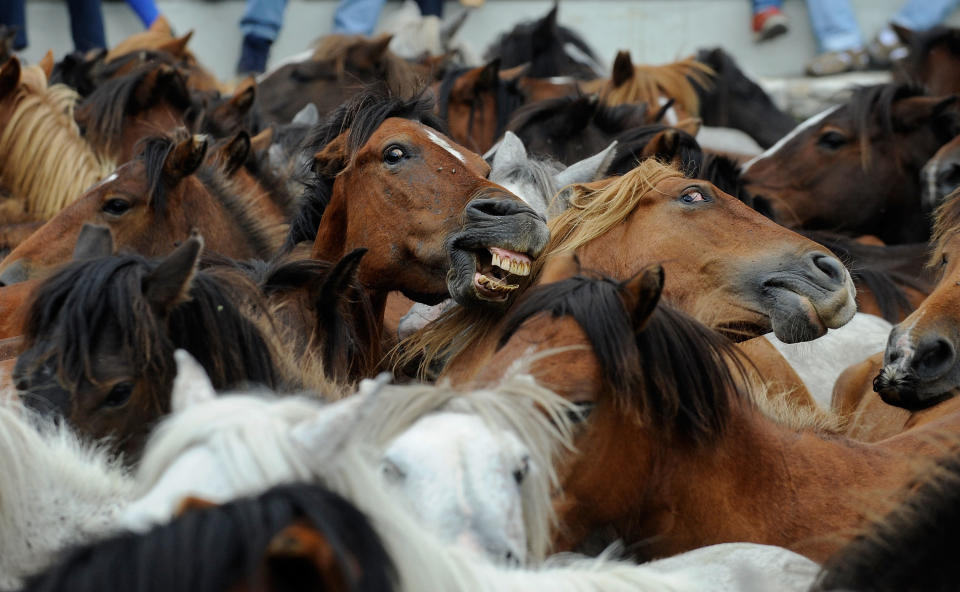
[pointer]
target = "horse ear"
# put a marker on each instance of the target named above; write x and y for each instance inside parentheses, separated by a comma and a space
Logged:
(332, 159)
(337, 283)
(262, 141)
(903, 33)
(93, 242)
(589, 169)
(489, 75)
(370, 52)
(185, 158)
(559, 267)
(299, 557)
(546, 28)
(665, 145)
(641, 294)
(46, 64)
(169, 283)
(234, 154)
(622, 68)
(914, 112)
(191, 385)
(307, 116)
(510, 151)
(515, 73)
(176, 46)
(161, 25)
(9, 76)
(243, 97)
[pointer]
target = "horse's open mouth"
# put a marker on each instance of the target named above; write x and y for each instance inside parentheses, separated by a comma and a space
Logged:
(498, 271)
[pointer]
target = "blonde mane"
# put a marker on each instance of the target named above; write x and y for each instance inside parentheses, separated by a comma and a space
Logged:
(46, 162)
(649, 83)
(591, 211)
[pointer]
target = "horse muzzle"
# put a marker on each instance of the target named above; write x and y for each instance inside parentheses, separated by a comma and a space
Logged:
(918, 372)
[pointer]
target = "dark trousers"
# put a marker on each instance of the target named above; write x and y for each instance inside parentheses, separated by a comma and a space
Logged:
(431, 7)
(86, 22)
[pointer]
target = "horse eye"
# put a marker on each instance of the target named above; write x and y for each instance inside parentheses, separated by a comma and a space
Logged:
(520, 473)
(116, 206)
(581, 413)
(393, 155)
(692, 197)
(119, 394)
(831, 140)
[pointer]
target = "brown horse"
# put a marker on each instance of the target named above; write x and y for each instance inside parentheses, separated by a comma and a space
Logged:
(833, 171)
(673, 454)
(46, 163)
(933, 60)
(778, 280)
(152, 202)
(921, 363)
(434, 225)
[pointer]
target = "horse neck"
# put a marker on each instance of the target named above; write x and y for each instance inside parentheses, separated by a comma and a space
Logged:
(771, 485)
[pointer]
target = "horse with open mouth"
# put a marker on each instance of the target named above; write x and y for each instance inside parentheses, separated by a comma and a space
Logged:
(387, 178)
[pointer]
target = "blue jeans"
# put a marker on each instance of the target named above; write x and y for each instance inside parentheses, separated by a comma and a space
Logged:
(86, 22)
(921, 15)
(761, 5)
(834, 25)
(263, 18)
(146, 10)
(356, 17)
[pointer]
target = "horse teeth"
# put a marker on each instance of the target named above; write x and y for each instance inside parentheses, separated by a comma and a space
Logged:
(497, 262)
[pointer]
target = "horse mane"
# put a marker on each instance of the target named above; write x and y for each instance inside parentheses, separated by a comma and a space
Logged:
(946, 224)
(883, 269)
(359, 118)
(335, 50)
(911, 548)
(102, 113)
(673, 374)
(233, 539)
(581, 110)
(46, 162)
(520, 45)
(507, 98)
(73, 306)
(677, 80)
(589, 214)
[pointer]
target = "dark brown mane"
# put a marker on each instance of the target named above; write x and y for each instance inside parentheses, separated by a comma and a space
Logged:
(359, 118)
(674, 373)
(912, 548)
(102, 113)
(72, 309)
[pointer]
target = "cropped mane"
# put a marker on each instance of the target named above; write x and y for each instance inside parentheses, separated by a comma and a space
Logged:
(912, 548)
(102, 113)
(222, 547)
(673, 374)
(46, 162)
(74, 306)
(359, 119)
(649, 83)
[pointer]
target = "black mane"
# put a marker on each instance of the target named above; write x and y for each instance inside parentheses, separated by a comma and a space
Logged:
(872, 106)
(360, 118)
(912, 549)
(674, 373)
(218, 548)
(72, 308)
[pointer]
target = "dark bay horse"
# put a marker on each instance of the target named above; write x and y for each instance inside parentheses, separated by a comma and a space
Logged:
(388, 179)
(153, 201)
(777, 281)
(673, 453)
(833, 171)
(933, 60)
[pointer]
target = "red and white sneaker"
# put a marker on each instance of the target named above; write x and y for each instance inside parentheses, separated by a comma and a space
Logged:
(769, 23)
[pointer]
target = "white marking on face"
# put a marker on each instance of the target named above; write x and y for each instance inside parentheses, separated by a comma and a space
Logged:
(112, 177)
(445, 145)
(904, 342)
(815, 120)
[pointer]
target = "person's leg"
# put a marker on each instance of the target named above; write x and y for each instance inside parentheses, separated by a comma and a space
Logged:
(86, 24)
(921, 15)
(357, 17)
(13, 13)
(261, 24)
(834, 25)
(768, 20)
(146, 10)
(431, 7)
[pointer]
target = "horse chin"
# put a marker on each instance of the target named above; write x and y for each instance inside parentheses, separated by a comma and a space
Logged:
(794, 318)
(905, 390)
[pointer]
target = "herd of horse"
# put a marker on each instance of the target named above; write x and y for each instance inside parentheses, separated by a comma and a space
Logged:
(388, 319)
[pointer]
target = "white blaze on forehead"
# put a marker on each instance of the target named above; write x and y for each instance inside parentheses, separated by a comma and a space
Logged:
(815, 120)
(445, 145)
(111, 178)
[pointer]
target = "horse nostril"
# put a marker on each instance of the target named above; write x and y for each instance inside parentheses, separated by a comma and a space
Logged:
(22, 384)
(934, 358)
(510, 559)
(489, 207)
(832, 268)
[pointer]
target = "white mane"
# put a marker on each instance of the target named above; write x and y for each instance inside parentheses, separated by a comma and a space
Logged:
(55, 491)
